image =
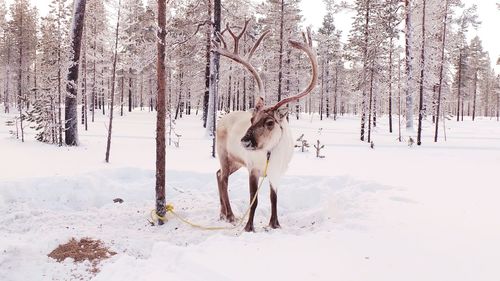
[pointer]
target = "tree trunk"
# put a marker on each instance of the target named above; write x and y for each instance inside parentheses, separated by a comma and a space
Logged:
(103, 98)
(161, 112)
(280, 62)
(93, 104)
(179, 99)
(399, 100)
(84, 87)
(441, 70)
(322, 89)
(459, 90)
(214, 77)
(335, 91)
(122, 89)
(228, 104)
(130, 91)
(370, 106)
(475, 94)
(113, 78)
(391, 49)
(142, 93)
(238, 95)
(7, 78)
(408, 68)
(20, 76)
(365, 67)
(71, 126)
(244, 102)
(422, 78)
(328, 91)
(208, 47)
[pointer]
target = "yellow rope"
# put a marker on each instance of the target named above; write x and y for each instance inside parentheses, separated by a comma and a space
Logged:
(169, 208)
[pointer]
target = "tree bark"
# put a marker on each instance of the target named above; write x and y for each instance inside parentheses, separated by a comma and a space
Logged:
(408, 68)
(441, 70)
(161, 112)
(20, 75)
(214, 78)
(459, 90)
(322, 89)
(71, 124)
(208, 48)
(391, 49)
(84, 87)
(280, 63)
(113, 78)
(370, 106)
(122, 89)
(365, 67)
(335, 92)
(422, 78)
(475, 95)
(130, 91)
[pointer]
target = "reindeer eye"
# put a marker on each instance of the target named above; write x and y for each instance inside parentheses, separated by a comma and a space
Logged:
(269, 123)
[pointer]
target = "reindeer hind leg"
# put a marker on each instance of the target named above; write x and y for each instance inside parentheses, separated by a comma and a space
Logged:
(226, 212)
(273, 222)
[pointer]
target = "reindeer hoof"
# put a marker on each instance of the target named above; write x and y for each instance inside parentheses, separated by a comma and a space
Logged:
(249, 228)
(229, 218)
(274, 224)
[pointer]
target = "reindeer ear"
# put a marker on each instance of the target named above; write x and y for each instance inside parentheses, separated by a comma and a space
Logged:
(282, 112)
(259, 105)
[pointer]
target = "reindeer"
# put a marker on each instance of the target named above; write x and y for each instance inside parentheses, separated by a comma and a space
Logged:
(252, 139)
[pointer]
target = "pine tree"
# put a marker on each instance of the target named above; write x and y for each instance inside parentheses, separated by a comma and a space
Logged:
(466, 19)
(4, 56)
(330, 50)
(53, 56)
(479, 65)
(408, 64)
(96, 31)
(391, 18)
(365, 39)
(131, 41)
(22, 29)
(282, 17)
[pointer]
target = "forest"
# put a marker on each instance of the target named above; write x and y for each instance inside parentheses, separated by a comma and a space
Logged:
(391, 65)
(119, 121)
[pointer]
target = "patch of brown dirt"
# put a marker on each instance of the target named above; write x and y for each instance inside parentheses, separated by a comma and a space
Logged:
(84, 249)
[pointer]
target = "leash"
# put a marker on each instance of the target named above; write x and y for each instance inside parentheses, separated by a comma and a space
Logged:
(169, 208)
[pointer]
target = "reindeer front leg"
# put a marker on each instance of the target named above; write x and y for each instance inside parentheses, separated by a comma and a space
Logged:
(254, 182)
(274, 223)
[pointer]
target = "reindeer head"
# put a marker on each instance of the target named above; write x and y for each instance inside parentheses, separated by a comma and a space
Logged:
(266, 127)
(267, 123)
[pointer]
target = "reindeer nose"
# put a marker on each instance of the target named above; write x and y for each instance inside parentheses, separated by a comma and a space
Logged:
(248, 142)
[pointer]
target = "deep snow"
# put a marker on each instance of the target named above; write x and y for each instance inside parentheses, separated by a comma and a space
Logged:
(389, 213)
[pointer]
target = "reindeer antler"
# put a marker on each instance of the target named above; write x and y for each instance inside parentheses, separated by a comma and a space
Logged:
(235, 53)
(307, 48)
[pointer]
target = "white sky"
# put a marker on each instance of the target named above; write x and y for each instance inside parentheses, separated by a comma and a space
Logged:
(489, 15)
(314, 10)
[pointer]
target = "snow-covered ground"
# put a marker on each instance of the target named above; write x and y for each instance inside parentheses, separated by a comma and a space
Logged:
(389, 213)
